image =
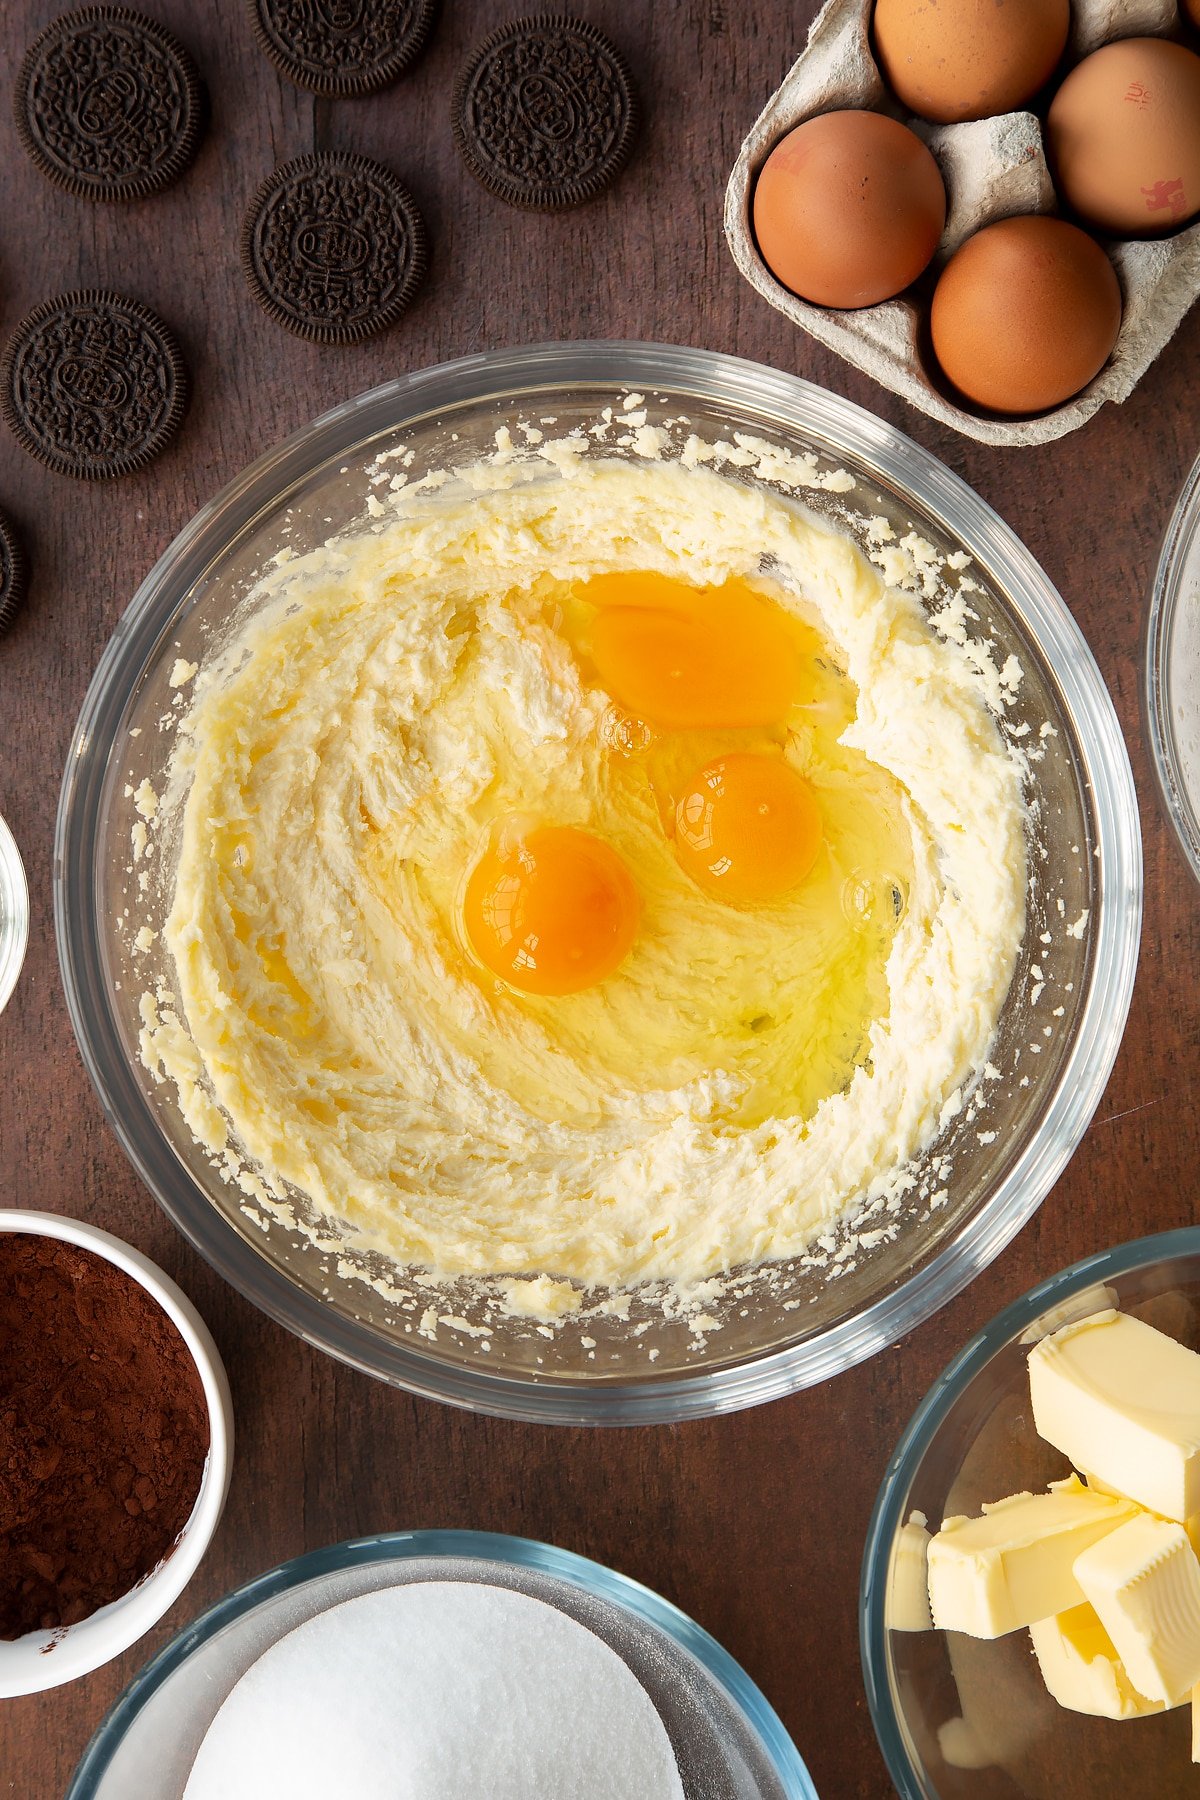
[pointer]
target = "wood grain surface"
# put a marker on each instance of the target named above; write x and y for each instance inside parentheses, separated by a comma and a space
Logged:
(753, 1524)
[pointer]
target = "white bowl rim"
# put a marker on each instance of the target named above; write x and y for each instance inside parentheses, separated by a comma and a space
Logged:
(15, 884)
(46, 1659)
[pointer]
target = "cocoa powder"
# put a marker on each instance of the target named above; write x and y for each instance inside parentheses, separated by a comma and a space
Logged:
(103, 1433)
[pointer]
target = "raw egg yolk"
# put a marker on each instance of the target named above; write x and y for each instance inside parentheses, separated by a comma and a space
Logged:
(747, 827)
(551, 911)
(687, 658)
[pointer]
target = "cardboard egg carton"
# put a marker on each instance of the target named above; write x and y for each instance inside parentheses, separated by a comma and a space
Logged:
(992, 169)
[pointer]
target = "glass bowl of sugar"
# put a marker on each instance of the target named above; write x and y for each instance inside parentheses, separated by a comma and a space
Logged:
(380, 1616)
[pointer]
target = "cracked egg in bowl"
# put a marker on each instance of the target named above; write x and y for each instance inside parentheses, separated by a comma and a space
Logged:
(604, 888)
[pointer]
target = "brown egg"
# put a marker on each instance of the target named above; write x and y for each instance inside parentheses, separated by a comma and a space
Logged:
(968, 59)
(1024, 314)
(1123, 134)
(1190, 9)
(848, 208)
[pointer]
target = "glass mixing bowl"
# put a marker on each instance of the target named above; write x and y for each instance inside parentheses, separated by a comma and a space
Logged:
(992, 1165)
(1171, 670)
(728, 1742)
(958, 1718)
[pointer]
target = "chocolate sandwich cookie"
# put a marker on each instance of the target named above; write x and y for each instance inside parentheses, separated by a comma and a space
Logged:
(109, 104)
(14, 574)
(93, 384)
(544, 112)
(341, 48)
(334, 247)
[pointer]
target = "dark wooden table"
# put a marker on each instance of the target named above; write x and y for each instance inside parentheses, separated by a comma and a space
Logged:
(753, 1524)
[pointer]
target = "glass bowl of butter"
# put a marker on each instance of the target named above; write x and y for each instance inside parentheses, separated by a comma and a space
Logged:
(749, 445)
(1030, 1607)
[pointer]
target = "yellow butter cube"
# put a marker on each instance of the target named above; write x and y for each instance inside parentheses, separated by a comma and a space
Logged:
(1015, 1564)
(1144, 1581)
(1081, 1668)
(1123, 1400)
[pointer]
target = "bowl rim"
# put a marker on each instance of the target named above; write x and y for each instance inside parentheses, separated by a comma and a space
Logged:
(1182, 532)
(919, 1433)
(47, 1659)
(827, 419)
(14, 888)
(479, 1546)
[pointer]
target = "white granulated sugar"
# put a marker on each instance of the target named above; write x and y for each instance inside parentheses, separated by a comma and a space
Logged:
(435, 1691)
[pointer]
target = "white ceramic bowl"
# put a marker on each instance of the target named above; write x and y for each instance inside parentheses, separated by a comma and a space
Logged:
(14, 914)
(47, 1659)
